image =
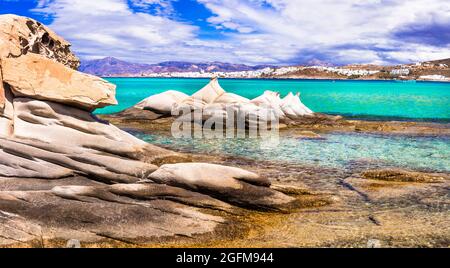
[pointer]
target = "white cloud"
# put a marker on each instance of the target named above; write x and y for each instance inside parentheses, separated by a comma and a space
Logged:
(249, 31)
(289, 27)
(103, 28)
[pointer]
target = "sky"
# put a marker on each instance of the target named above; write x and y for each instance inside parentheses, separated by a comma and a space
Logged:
(254, 32)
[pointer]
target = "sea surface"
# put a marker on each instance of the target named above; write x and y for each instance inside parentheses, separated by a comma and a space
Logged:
(335, 150)
(409, 100)
(375, 100)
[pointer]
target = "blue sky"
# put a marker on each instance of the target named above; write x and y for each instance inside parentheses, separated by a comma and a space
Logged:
(281, 32)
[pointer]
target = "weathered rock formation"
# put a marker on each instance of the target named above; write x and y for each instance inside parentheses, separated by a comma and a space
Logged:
(64, 173)
(21, 35)
(32, 75)
(213, 102)
(400, 175)
(162, 103)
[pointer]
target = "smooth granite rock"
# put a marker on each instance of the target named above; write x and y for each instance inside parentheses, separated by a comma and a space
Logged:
(66, 175)
(400, 175)
(293, 107)
(233, 185)
(210, 92)
(162, 103)
(35, 76)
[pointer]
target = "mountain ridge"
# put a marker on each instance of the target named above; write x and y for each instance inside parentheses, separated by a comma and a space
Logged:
(111, 66)
(438, 70)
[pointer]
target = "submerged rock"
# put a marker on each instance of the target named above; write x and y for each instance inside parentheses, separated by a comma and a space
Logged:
(400, 175)
(305, 134)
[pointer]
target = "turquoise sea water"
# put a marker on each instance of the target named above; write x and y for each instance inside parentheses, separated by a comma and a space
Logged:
(361, 99)
(427, 101)
(337, 150)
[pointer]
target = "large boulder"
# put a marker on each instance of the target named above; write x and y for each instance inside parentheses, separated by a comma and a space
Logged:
(162, 103)
(233, 185)
(203, 175)
(270, 100)
(231, 98)
(210, 92)
(34, 76)
(21, 35)
(292, 106)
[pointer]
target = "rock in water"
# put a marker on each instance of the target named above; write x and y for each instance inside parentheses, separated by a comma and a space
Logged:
(162, 103)
(231, 98)
(2, 92)
(34, 76)
(86, 179)
(210, 92)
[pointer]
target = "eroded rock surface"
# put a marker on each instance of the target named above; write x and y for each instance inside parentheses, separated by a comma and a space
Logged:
(400, 175)
(212, 103)
(66, 174)
(21, 35)
(32, 75)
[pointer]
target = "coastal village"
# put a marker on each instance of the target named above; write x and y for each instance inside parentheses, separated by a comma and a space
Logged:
(422, 71)
(71, 178)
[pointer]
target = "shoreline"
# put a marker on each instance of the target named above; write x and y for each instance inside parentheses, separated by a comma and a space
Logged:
(287, 78)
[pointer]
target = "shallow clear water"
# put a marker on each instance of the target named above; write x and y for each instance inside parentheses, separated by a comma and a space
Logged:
(362, 99)
(335, 150)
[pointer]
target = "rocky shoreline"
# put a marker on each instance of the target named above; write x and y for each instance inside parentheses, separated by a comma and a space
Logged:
(362, 204)
(68, 175)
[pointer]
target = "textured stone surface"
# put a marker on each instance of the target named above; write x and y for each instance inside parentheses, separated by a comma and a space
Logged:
(162, 103)
(400, 175)
(7, 113)
(230, 98)
(233, 185)
(293, 107)
(34, 76)
(21, 35)
(210, 92)
(59, 124)
(67, 175)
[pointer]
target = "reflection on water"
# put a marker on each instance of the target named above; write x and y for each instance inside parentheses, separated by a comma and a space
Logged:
(334, 150)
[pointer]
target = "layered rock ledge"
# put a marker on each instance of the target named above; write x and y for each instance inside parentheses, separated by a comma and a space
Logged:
(66, 174)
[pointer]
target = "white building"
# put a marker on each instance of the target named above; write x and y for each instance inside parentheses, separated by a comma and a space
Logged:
(400, 72)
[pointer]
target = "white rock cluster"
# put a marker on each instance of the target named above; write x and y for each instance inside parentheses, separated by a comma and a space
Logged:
(213, 100)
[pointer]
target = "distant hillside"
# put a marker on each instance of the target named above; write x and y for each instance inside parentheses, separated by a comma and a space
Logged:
(114, 67)
(444, 61)
(111, 66)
